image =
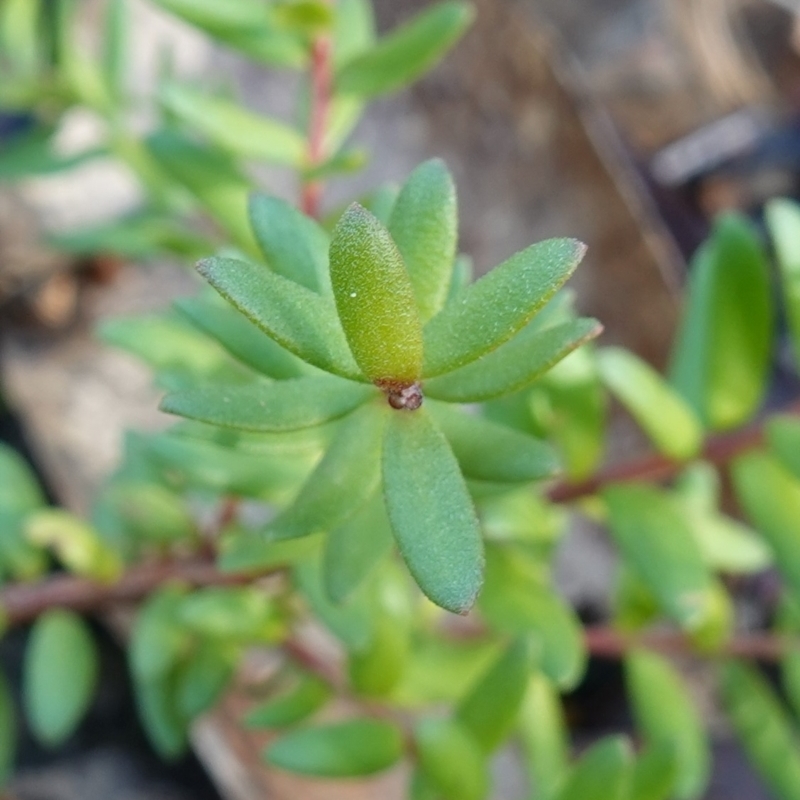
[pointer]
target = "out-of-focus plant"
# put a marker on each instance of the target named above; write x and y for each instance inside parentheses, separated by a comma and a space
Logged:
(381, 436)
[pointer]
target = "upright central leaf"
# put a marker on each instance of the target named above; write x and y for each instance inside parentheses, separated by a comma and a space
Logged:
(375, 300)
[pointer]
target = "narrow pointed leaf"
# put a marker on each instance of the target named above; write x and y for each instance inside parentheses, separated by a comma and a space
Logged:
(116, 47)
(339, 750)
(721, 361)
(300, 702)
(232, 128)
(667, 716)
(8, 732)
(295, 317)
(763, 728)
(407, 52)
(770, 496)
(513, 365)
(60, 675)
(424, 224)
(783, 221)
(354, 29)
(294, 245)
(375, 299)
(280, 406)
(603, 773)
(481, 318)
(343, 481)
(432, 516)
(203, 679)
(489, 711)
(663, 414)
(490, 452)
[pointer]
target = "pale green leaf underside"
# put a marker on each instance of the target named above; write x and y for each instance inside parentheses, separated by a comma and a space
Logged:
(298, 319)
(432, 516)
(491, 310)
(513, 365)
(270, 406)
(375, 299)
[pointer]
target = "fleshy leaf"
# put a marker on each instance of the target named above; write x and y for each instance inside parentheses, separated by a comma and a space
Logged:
(354, 29)
(513, 365)
(295, 317)
(663, 414)
(432, 516)
(60, 675)
(8, 732)
(307, 696)
(339, 750)
(375, 299)
(783, 219)
(268, 407)
(424, 224)
(481, 317)
(206, 675)
(407, 52)
(603, 773)
(19, 489)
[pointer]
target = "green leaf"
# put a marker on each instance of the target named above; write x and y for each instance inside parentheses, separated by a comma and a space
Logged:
(522, 516)
(294, 245)
(406, 53)
(771, 499)
(354, 549)
(165, 727)
(241, 338)
(722, 356)
(232, 128)
(8, 732)
(59, 676)
(451, 759)
(656, 540)
(667, 716)
(432, 516)
(783, 436)
(489, 711)
(487, 451)
(269, 407)
(237, 613)
(152, 512)
(515, 601)
(115, 52)
(654, 774)
(481, 318)
(603, 773)
(763, 728)
(354, 29)
(339, 750)
(245, 551)
(158, 641)
(783, 221)
(375, 299)
(203, 679)
(343, 481)
(513, 365)
(543, 732)
(32, 153)
(663, 414)
(19, 489)
(424, 224)
(308, 695)
(790, 678)
(295, 317)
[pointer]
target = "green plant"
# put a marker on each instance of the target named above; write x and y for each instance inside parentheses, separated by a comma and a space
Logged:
(398, 427)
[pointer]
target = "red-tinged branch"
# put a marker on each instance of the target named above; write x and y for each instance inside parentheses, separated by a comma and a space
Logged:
(718, 450)
(21, 603)
(321, 86)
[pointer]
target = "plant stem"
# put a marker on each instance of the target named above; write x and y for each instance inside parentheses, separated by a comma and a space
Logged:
(321, 84)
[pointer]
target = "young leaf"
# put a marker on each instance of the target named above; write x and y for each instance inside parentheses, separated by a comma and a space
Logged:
(293, 244)
(451, 759)
(375, 299)
(667, 716)
(295, 317)
(236, 613)
(424, 224)
(721, 361)
(406, 53)
(656, 540)
(513, 365)
(232, 128)
(489, 711)
(480, 319)
(603, 773)
(432, 516)
(663, 414)
(355, 548)
(307, 696)
(771, 499)
(270, 407)
(338, 750)
(8, 732)
(763, 728)
(783, 220)
(490, 452)
(342, 482)
(59, 677)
